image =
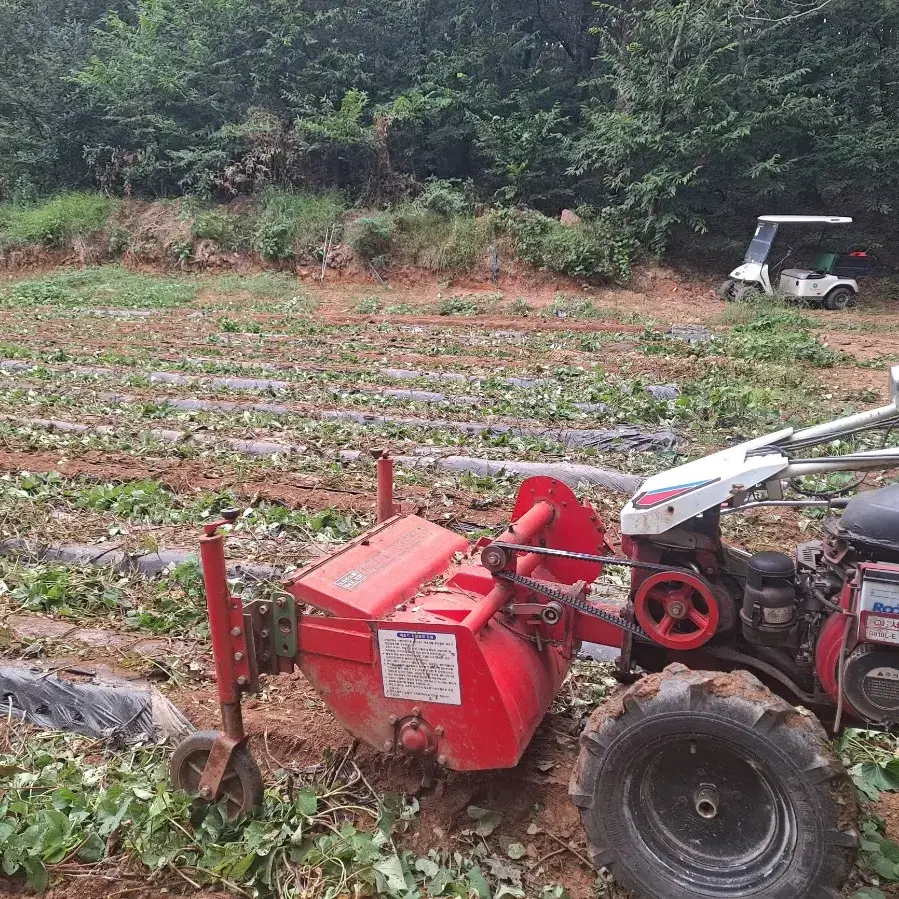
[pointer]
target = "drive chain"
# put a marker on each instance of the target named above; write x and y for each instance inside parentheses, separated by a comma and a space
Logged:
(580, 605)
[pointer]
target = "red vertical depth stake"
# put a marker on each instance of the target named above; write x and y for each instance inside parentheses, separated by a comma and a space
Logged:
(229, 652)
(385, 487)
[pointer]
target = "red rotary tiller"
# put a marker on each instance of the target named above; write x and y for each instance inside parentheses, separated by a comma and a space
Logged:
(701, 778)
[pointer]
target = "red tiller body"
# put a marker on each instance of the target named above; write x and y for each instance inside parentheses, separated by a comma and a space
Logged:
(421, 649)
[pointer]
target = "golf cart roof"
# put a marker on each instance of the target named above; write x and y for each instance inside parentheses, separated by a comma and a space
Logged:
(806, 219)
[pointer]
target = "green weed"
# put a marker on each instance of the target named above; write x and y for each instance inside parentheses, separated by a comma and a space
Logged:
(589, 249)
(229, 232)
(57, 221)
(779, 338)
(463, 305)
(372, 236)
(267, 285)
(758, 305)
(294, 223)
(412, 235)
(108, 285)
(440, 242)
(368, 306)
(873, 762)
(566, 305)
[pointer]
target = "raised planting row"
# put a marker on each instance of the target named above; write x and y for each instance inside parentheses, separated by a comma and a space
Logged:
(140, 516)
(198, 443)
(481, 352)
(578, 383)
(348, 488)
(780, 336)
(173, 603)
(334, 427)
(744, 393)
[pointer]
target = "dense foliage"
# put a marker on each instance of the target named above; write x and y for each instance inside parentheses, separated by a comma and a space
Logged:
(667, 114)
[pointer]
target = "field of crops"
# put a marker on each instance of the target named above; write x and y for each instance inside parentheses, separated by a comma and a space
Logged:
(135, 406)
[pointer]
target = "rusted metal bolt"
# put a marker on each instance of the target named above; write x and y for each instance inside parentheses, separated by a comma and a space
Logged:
(388, 745)
(281, 601)
(263, 609)
(264, 633)
(417, 712)
(414, 724)
(206, 793)
(242, 681)
(441, 759)
(439, 730)
(392, 719)
(236, 631)
(238, 656)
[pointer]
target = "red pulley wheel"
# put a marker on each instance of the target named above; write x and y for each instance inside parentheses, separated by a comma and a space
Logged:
(677, 610)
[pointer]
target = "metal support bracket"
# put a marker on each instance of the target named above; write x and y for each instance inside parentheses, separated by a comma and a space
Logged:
(216, 766)
(285, 627)
(260, 614)
(240, 653)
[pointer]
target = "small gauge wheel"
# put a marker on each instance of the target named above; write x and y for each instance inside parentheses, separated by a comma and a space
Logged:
(241, 786)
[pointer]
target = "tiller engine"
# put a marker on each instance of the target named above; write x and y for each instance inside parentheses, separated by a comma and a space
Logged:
(701, 778)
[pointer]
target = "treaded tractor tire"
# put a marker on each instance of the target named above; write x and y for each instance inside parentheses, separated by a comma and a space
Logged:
(705, 785)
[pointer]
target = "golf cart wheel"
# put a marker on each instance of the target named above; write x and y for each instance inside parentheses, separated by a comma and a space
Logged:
(241, 786)
(726, 290)
(704, 785)
(840, 298)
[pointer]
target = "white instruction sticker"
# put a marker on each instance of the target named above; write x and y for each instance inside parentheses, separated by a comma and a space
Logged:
(882, 629)
(419, 665)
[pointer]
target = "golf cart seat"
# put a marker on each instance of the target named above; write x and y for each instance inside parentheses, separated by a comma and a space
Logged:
(801, 274)
(857, 264)
(853, 265)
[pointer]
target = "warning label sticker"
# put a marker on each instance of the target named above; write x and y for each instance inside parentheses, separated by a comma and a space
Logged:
(419, 665)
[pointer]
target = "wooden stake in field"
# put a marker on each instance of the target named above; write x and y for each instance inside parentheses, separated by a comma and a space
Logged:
(328, 238)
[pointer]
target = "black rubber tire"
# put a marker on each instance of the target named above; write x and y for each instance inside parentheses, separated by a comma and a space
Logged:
(840, 298)
(241, 787)
(742, 291)
(725, 290)
(784, 808)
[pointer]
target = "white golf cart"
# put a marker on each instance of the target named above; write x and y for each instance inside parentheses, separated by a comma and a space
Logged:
(830, 281)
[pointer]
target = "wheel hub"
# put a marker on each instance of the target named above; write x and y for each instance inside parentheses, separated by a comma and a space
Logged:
(706, 801)
(697, 803)
(677, 609)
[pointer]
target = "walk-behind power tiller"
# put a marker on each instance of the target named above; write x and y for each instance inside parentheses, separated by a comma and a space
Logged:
(710, 773)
